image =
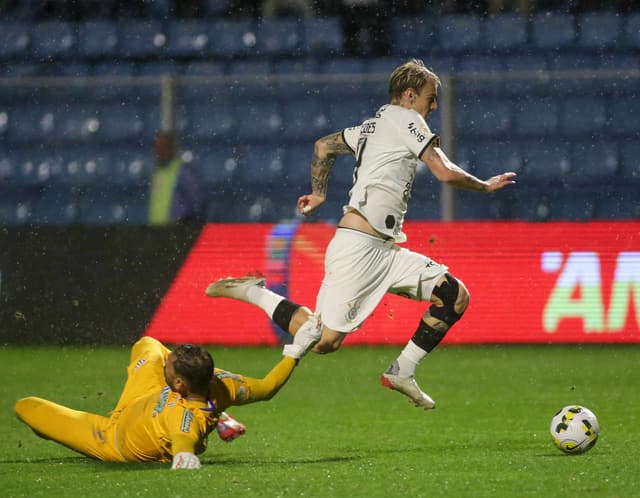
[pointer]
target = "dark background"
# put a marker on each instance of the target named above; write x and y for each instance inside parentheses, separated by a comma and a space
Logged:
(86, 285)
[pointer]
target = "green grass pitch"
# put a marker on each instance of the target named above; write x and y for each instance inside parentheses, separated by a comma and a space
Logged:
(333, 431)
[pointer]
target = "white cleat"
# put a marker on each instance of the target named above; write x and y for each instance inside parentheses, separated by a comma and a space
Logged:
(234, 288)
(409, 387)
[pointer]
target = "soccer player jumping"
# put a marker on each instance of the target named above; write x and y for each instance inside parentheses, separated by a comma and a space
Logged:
(363, 260)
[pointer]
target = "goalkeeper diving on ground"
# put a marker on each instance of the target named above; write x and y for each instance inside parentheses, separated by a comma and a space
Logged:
(171, 402)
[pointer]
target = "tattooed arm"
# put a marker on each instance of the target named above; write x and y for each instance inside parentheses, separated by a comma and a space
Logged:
(325, 152)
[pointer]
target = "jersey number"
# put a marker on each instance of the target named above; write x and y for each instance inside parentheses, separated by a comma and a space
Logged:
(362, 143)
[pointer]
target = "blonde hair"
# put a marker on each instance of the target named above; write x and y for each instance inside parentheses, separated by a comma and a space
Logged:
(412, 74)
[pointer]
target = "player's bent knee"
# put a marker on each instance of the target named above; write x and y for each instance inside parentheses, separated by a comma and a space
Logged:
(454, 298)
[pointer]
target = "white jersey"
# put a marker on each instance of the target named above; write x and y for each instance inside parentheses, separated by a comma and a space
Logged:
(387, 148)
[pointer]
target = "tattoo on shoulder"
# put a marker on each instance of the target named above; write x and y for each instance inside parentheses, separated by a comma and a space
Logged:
(336, 144)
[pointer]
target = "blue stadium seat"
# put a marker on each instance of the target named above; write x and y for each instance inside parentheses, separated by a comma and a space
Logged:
(632, 31)
(472, 206)
(142, 38)
(108, 206)
(260, 121)
(323, 36)
(459, 33)
(593, 163)
(574, 205)
(532, 205)
(583, 116)
(5, 115)
(77, 123)
(188, 38)
(14, 39)
(32, 123)
(108, 123)
(8, 166)
(52, 39)
(537, 117)
(82, 166)
(599, 30)
(630, 162)
(130, 167)
(350, 112)
(225, 206)
(493, 157)
(297, 166)
(552, 31)
(211, 122)
(412, 35)
(279, 36)
(218, 164)
(505, 32)
(233, 38)
(36, 166)
(98, 38)
(15, 206)
(623, 205)
(54, 206)
(488, 117)
(424, 204)
(307, 120)
(625, 115)
(341, 174)
(262, 165)
(547, 162)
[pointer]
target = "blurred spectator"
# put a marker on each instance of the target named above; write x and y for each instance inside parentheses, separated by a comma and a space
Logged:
(175, 186)
(365, 25)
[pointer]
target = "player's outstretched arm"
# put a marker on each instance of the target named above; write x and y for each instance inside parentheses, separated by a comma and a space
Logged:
(447, 171)
(325, 152)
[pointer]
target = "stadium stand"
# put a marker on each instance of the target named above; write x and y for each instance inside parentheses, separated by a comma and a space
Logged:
(572, 137)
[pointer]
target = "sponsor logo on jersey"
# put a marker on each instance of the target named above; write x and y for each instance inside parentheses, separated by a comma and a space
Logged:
(140, 362)
(162, 401)
(419, 134)
(187, 418)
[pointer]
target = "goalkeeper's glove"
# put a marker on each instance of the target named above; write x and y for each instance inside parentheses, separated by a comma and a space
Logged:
(229, 428)
(308, 334)
(185, 460)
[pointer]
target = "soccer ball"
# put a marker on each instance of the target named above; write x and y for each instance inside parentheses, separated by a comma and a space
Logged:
(574, 429)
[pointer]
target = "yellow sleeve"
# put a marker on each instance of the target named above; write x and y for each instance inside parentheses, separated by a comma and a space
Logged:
(241, 390)
(187, 431)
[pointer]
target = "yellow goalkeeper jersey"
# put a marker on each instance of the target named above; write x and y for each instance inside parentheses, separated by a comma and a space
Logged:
(153, 423)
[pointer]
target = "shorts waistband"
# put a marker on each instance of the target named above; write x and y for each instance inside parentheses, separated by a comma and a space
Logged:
(386, 240)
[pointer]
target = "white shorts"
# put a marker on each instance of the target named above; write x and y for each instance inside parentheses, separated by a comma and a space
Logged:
(360, 269)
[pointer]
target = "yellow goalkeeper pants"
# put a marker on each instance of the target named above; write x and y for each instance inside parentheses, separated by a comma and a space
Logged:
(87, 433)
